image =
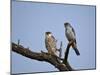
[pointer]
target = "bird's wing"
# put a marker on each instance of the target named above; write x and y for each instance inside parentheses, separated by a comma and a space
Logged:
(53, 41)
(75, 41)
(73, 31)
(74, 34)
(53, 38)
(47, 45)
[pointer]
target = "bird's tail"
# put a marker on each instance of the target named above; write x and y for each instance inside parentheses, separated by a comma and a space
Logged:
(76, 50)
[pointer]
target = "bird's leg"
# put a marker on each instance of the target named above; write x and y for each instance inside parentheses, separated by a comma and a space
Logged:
(49, 52)
(71, 42)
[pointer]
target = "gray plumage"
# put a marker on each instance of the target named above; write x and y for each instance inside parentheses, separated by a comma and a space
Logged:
(71, 36)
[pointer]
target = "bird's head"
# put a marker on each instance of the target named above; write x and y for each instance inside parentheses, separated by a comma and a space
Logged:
(48, 33)
(66, 24)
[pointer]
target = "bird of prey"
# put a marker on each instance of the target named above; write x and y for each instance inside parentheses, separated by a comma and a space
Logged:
(50, 43)
(70, 35)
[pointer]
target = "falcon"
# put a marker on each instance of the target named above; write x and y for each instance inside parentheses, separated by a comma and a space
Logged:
(71, 37)
(50, 43)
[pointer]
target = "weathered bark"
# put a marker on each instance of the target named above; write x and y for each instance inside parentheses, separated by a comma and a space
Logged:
(52, 59)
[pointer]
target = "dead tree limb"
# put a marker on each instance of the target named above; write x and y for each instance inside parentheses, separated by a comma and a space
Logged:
(65, 61)
(67, 52)
(54, 60)
(60, 50)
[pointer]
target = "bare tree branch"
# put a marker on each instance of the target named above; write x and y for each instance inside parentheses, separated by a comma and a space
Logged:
(65, 61)
(60, 50)
(67, 52)
(52, 59)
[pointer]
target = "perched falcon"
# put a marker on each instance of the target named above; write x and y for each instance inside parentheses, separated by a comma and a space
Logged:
(50, 43)
(70, 35)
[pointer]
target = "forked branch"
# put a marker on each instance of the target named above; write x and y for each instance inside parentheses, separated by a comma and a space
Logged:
(42, 56)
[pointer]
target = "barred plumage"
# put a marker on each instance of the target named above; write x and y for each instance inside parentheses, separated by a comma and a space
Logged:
(50, 43)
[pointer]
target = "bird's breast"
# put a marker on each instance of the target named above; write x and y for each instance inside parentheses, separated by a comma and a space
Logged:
(69, 34)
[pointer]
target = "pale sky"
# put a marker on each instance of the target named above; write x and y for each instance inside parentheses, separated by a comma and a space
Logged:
(30, 21)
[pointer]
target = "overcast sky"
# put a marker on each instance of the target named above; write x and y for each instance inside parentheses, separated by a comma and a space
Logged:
(30, 21)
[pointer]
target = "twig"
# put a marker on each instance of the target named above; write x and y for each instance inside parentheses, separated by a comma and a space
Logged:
(60, 50)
